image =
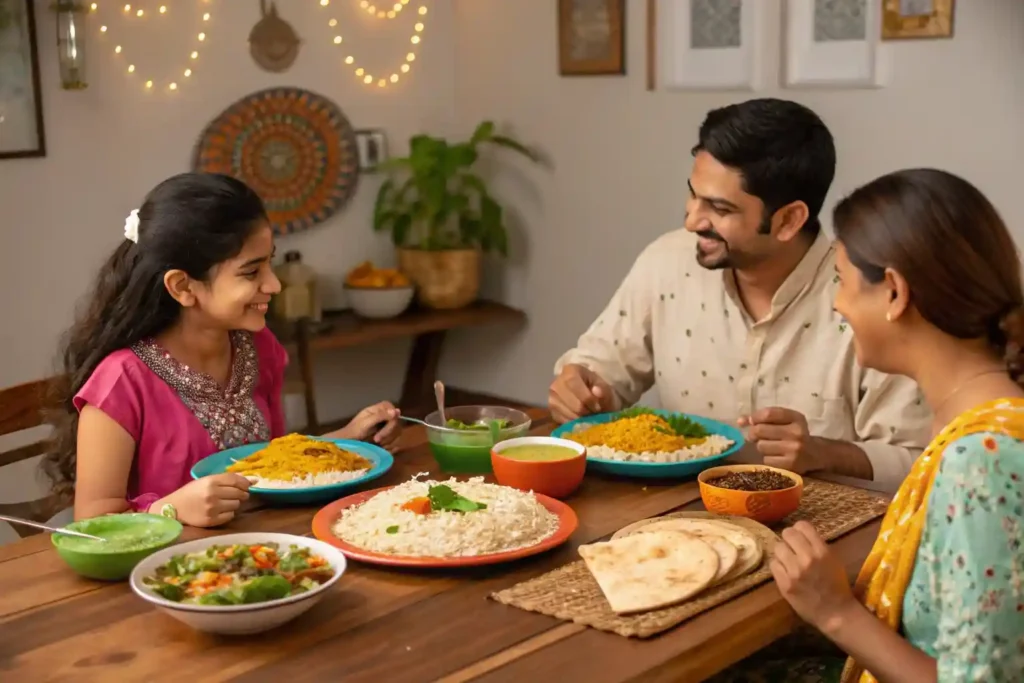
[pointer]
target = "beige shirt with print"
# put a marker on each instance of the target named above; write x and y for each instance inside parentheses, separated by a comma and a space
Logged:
(682, 329)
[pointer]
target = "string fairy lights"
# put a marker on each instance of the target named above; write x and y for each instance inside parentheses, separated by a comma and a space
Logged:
(131, 12)
(379, 12)
(415, 39)
(384, 10)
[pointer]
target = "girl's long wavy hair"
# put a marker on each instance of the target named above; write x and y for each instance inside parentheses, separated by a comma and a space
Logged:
(189, 222)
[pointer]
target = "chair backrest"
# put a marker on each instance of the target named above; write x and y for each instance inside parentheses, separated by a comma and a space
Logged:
(22, 408)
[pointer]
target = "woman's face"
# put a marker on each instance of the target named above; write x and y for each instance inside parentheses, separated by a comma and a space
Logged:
(863, 306)
(238, 292)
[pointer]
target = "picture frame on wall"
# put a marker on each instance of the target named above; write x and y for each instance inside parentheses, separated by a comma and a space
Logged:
(709, 44)
(833, 43)
(591, 37)
(910, 19)
(21, 106)
(372, 145)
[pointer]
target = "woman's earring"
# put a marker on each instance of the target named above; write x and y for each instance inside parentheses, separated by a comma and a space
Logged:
(888, 317)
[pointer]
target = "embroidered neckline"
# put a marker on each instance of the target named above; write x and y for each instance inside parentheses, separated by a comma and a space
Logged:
(229, 414)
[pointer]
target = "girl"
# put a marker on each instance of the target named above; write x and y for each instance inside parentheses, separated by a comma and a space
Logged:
(172, 360)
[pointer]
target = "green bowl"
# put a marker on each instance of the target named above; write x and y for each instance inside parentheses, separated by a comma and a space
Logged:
(468, 451)
(133, 537)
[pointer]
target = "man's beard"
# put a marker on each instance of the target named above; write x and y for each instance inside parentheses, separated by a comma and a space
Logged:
(718, 262)
(730, 258)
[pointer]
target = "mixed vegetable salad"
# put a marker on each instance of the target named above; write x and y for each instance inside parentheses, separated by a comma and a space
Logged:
(239, 574)
(479, 426)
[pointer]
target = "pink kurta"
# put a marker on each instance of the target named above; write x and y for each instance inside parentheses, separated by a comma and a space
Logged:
(170, 434)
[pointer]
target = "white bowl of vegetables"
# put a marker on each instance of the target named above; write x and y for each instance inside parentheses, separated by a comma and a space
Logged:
(238, 583)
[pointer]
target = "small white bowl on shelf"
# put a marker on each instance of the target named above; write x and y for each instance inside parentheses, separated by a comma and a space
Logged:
(379, 302)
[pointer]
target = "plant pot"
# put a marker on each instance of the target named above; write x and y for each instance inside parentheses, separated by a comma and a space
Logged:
(444, 279)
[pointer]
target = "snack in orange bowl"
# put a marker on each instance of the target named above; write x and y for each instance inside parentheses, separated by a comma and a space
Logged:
(762, 493)
(542, 464)
(378, 292)
(368, 276)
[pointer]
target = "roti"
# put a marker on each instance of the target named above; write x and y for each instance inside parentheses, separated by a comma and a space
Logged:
(650, 571)
(748, 549)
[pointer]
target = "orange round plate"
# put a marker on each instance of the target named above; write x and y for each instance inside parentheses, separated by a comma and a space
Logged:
(327, 516)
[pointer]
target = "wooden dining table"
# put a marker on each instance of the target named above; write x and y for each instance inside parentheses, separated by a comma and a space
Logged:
(380, 624)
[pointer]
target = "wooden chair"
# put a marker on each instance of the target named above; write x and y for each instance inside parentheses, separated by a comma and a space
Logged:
(21, 408)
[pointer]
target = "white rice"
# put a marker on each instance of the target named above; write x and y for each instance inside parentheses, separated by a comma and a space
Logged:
(322, 479)
(513, 519)
(713, 445)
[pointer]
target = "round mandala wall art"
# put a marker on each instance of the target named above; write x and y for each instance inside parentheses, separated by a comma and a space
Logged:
(294, 147)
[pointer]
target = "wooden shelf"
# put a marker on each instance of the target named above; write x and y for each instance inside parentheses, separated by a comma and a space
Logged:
(426, 326)
(346, 330)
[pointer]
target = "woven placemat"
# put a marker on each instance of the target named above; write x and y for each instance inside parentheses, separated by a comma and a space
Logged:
(570, 592)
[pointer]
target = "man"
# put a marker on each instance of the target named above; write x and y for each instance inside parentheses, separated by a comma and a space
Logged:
(747, 334)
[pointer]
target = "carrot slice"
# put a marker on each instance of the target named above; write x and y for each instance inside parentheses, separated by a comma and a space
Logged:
(420, 505)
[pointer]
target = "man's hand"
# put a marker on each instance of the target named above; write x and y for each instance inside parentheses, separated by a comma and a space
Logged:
(579, 391)
(781, 436)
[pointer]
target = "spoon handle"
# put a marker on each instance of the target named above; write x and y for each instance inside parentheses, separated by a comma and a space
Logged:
(439, 395)
(413, 419)
(44, 527)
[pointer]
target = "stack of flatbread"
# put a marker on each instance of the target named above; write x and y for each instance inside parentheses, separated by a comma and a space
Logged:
(658, 563)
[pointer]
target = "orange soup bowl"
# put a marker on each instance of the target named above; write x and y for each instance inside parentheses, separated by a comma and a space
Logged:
(555, 478)
(766, 507)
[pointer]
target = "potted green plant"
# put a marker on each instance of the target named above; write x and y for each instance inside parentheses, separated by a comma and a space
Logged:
(441, 215)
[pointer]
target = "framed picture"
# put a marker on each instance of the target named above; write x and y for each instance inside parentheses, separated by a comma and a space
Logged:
(591, 37)
(709, 44)
(833, 43)
(21, 105)
(373, 148)
(903, 19)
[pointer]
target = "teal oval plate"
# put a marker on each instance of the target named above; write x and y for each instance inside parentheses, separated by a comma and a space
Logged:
(657, 470)
(381, 461)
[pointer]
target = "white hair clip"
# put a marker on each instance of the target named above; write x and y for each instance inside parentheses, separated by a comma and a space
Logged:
(131, 226)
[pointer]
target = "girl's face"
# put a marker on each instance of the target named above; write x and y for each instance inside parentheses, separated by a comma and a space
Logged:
(238, 291)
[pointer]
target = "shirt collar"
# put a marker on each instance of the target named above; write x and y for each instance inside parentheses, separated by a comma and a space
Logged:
(797, 281)
(804, 273)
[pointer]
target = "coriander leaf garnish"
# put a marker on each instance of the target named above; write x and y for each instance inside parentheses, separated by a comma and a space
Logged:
(679, 424)
(443, 497)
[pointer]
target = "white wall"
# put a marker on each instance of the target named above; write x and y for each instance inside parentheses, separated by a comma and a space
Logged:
(622, 153)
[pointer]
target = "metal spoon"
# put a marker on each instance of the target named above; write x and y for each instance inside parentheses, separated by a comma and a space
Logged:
(54, 530)
(408, 419)
(439, 395)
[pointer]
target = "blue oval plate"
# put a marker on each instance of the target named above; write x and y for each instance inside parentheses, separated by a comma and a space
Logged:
(657, 470)
(381, 459)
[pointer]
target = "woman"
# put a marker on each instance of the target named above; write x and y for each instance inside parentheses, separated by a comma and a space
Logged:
(931, 287)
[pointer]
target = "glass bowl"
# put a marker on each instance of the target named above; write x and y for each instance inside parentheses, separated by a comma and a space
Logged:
(468, 451)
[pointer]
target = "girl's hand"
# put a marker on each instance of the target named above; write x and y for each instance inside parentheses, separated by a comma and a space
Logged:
(811, 578)
(366, 426)
(210, 501)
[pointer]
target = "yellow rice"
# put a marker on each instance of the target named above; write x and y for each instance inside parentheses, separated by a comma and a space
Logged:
(300, 460)
(646, 433)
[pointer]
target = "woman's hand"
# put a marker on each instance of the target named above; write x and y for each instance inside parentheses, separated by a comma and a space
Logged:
(210, 501)
(811, 578)
(379, 423)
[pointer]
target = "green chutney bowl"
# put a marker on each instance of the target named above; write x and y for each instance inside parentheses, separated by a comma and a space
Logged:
(131, 537)
(462, 451)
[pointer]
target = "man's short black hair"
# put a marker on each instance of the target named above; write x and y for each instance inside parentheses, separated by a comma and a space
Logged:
(783, 150)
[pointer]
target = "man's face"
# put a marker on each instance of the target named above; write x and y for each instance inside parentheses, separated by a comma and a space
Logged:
(731, 225)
